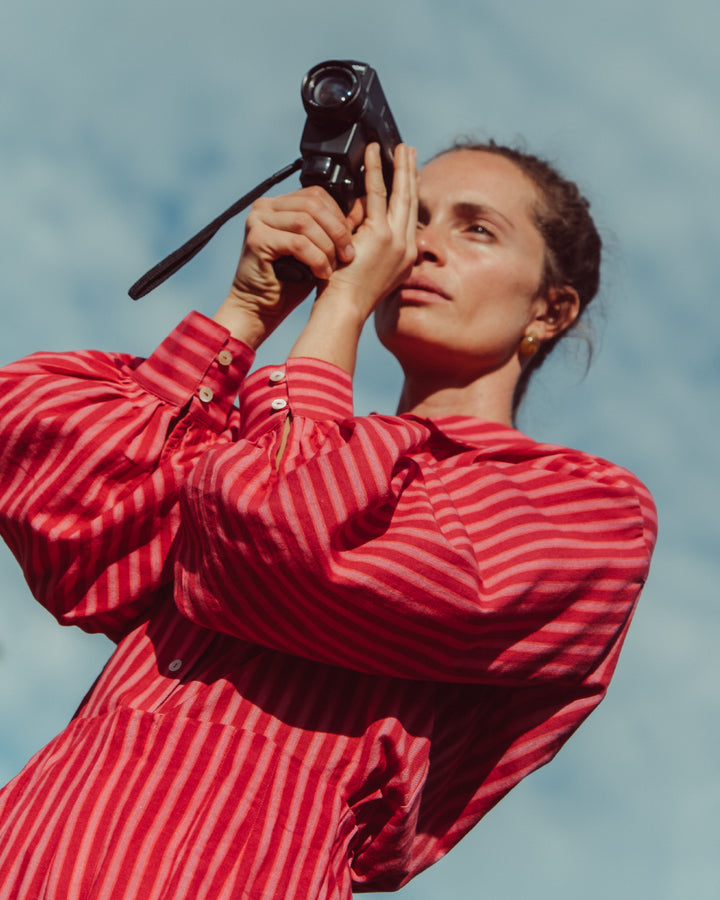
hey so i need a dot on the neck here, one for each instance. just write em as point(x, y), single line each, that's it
point(488, 397)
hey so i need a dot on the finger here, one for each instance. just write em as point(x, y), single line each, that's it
point(403, 178)
point(311, 215)
point(269, 244)
point(375, 189)
point(330, 217)
point(357, 214)
point(295, 223)
point(411, 230)
point(314, 198)
point(402, 210)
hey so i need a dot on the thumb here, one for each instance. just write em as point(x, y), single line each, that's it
point(356, 216)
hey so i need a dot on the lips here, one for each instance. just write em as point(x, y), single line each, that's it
point(420, 287)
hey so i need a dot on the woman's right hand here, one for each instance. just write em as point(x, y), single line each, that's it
point(307, 225)
point(386, 240)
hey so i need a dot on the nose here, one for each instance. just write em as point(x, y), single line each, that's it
point(429, 246)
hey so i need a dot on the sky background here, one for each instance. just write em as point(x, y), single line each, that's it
point(124, 128)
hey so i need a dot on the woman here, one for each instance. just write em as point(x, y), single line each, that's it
point(340, 640)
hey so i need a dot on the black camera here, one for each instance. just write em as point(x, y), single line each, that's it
point(346, 110)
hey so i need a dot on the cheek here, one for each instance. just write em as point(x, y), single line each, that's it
point(500, 305)
point(509, 285)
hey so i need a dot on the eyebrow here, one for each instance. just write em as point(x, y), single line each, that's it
point(467, 211)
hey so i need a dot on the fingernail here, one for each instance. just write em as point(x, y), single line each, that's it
point(348, 252)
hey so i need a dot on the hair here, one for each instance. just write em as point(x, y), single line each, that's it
point(572, 243)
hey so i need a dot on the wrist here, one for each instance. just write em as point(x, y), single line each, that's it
point(244, 323)
point(332, 333)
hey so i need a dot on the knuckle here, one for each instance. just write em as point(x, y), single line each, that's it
point(260, 206)
point(303, 248)
point(258, 215)
point(252, 220)
point(255, 231)
point(300, 221)
point(315, 192)
point(297, 222)
point(316, 198)
point(296, 243)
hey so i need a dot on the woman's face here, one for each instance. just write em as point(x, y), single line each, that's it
point(473, 291)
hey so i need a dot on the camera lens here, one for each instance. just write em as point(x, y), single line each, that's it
point(334, 89)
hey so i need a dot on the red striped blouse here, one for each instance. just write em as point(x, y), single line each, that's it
point(328, 667)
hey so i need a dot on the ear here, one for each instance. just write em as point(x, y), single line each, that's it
point(556, 310)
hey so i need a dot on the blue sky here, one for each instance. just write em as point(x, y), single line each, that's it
point(124, 128)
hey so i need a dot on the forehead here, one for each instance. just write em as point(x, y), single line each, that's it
point(479, 177)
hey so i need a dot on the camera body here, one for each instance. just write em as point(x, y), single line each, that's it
point(346, 110)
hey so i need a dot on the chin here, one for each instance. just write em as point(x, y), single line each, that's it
point(417, 352)
point(404, 322)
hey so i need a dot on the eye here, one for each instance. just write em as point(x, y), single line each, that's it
point(479, 230)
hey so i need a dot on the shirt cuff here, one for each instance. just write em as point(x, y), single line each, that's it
point(199, 362)
point(306, 387)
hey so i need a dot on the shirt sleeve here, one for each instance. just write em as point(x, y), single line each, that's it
point(93, 448)
point(354, 550)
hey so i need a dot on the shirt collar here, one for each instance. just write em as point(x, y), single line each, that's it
point(471, 432)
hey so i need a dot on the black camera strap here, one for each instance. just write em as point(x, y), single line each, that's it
point(177, 259)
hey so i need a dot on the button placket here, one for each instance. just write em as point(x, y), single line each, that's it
point(277, 384)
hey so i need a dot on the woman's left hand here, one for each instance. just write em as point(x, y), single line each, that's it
point(385, 241)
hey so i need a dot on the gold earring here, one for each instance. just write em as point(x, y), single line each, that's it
point(529, 345)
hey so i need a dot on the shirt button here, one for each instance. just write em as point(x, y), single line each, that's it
point(225, 357)
point(205, 394)
point(277, 376)
point(175, 665)
point(279, 403)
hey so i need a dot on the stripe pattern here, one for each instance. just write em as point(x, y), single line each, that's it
point(328, 668)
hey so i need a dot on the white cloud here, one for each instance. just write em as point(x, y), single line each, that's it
point(124, 129)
